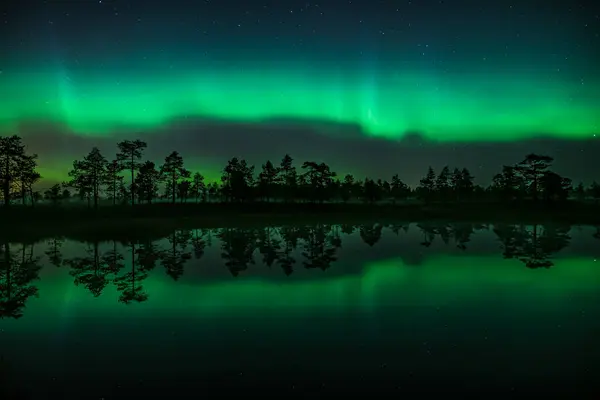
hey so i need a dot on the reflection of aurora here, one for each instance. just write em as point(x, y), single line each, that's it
point(449, 311)
point(440, 282)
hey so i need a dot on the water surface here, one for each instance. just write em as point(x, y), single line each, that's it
point(509, 307)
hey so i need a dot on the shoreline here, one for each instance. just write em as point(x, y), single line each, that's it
point(46, 221)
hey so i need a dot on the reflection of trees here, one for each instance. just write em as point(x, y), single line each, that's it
point(460, 233)
point(370, 234)
point(174, 258)
point(429, 230)
point(396, 228)
point(289, 237)
point(533, 246)
point(237, 245)
point(17, 272)
point(54, 251)
point(94, 271)
point(347, 229)
point(597, 233)
point(268, 245)
point(320, 247)
point(336, 238)
point(147, 254)
point(129, 284)
point(199, 243)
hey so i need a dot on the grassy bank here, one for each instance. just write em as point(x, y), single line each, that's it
point(43, 221)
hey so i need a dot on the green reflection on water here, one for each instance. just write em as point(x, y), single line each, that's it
point(442, 281)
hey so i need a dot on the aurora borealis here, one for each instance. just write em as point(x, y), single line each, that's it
point(436, 83)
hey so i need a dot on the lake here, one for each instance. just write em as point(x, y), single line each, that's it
point(432, 307)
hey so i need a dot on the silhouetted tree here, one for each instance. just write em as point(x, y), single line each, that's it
point(508, 185)
point(371, 191)
point(399, 190)
point(172, 171)
point(148, 181)
point(84, 191)
point(89, 174)
point(443, 184)
point(347, 188)
point(130, 152)
point(555, 187)
point(17, 274)
point(238, 179)
point(36, 197)
point(28, 177)
point(54, 194)
point(384, 189)
point(579, 192)
point(124, 193)
point(320, 178)
point(213, 190)
point(198, 188)
point(532, 169)
point(335, 189)
point(13, 158)
point(426, 188)
point(462, 184)
point(113, 179)
point(594, 191)
point(267, 180)
point(183, 190)
point(303, 189)
point(289, 178)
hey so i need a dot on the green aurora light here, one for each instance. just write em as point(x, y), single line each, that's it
point(441, 106)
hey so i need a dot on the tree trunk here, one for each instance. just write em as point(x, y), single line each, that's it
point(132, 182)
point(96, 195)
point(6, 183)
point(173, 184)
point(535, 184)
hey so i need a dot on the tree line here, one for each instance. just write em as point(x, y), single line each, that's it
point(95, 178)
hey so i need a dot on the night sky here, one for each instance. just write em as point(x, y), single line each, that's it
point(371, 87)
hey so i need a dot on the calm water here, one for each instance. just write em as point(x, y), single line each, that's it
point(457, 305)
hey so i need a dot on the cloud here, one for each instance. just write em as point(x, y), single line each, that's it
point(210, 143)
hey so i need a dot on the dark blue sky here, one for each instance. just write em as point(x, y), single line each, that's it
point(477, 42)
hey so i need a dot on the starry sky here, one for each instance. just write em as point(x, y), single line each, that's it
point(371, 87)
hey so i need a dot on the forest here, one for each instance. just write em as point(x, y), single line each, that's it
point(129, 179)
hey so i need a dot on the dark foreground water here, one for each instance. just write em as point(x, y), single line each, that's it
point(417, 308)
